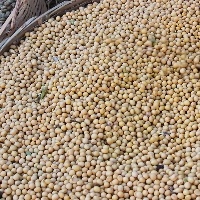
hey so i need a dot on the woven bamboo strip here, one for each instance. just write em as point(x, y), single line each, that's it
point(60, 9)
point(23, 10)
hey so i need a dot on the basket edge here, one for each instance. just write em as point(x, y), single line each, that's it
point(28, 26)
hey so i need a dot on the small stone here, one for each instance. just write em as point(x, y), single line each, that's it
point(1, 194)
point(158, 167)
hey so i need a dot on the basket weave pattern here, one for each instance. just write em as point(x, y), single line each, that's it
point(23, 10)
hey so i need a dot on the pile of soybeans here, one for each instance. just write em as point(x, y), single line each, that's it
point(103, 103)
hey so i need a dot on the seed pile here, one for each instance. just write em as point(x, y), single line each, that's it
point(103, 103)
point(6, 7)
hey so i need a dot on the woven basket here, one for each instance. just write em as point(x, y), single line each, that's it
point(60, 9)
point(23, 11)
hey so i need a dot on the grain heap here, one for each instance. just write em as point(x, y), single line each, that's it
point(6, 7)
point(103, 103)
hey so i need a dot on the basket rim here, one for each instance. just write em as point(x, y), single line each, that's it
point(33, 22)
point(21, 13)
